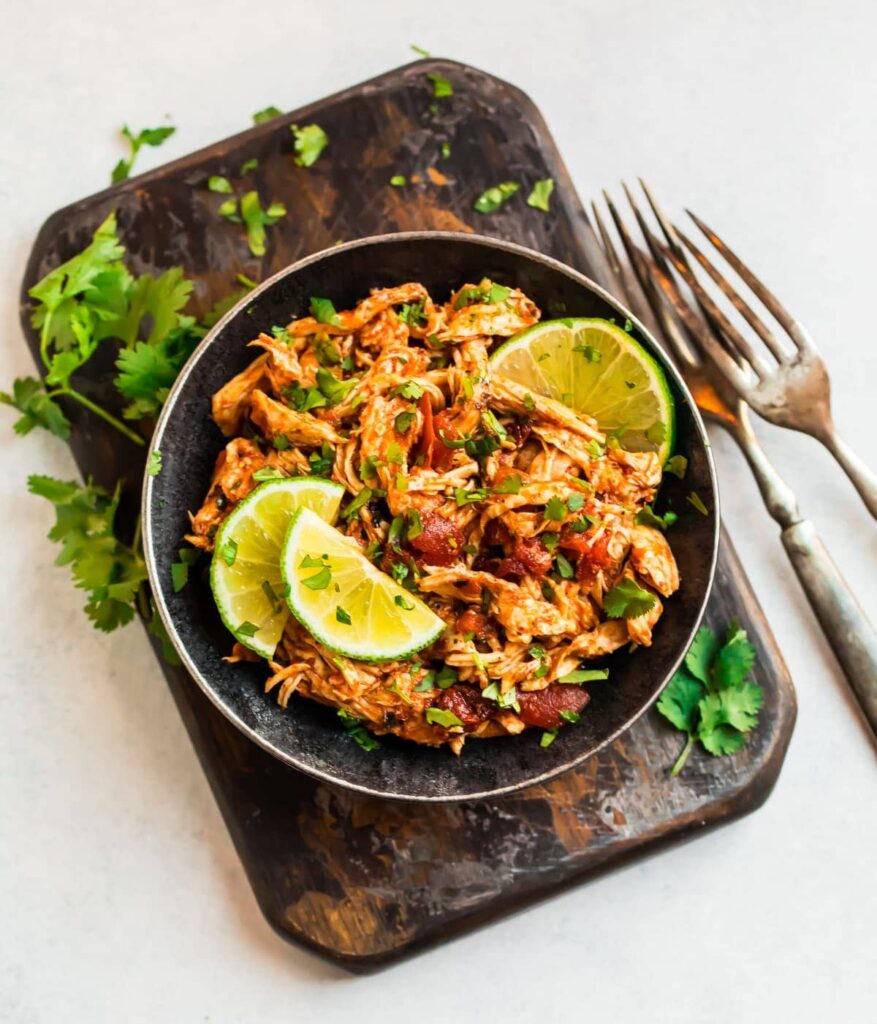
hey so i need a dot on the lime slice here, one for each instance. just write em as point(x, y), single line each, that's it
point(344, 601)
point(245, 572)
point(595, 367)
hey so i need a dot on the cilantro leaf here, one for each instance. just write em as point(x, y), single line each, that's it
point(147, 137)
point(310, 142)
point(492, 198)
point(648, 517)
point(541, 194)
point(356, 731)
point(715, 731)
point(109, 571)
point(446, 719)
point(677, 465)
point(709, 699)
point(37, 408)
point(441, 87)
point(147, 372)
point(256, 219)
point(265, 115)
point(398, 180)
point(627, 600)
point(700, 655)
point(217, 183)
point(680, 699)
point(153, 463)
point(323, 311)
point(735, 659)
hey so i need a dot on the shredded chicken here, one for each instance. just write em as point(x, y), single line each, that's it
point(509, 513)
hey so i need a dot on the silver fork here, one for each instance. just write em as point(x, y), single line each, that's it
point(794, 391)
point(649, 289)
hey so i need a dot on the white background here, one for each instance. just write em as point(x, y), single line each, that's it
point(122, 897)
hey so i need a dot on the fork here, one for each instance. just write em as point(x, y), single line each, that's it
point(793, 391)
point(649, 289)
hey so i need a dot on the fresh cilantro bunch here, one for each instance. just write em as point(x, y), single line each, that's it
point(89, 300)
point(710, 697)
point(109, 571)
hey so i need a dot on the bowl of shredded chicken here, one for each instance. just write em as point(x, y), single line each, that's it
point(509, 514)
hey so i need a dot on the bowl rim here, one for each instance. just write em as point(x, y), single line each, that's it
point(167, 413)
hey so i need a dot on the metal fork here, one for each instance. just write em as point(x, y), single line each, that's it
point(793, 391)
point(647, 286)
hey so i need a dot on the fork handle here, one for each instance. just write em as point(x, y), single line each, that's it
point(844, 623)
point(862, 478)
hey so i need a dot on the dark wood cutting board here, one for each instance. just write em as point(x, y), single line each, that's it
point(364, 881)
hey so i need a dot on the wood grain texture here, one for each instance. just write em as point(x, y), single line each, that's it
point(365, 881)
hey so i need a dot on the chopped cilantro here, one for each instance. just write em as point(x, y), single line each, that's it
point(247, 629)
point(271, 595)
point(228, 551)
point(395, 455)
point(657, 432)
point(529, 403)
point(229, 210)
point(412, 314)
point(445, 150)
point(463, 497)
point(446, 719)
point(249, 165)
point(556, 509)
point(362, 498)
point(268, 473)
point(547, 738)
point(677, 465)
point(321, 579)
point(148, 137)
point(570, 716)
point(217, 183)
point(415, 524)
point(648, 517)
point(153, 463)
point(398, 180)
point(356, 731)
point(575, 501)
point(321, 462)
point(541, 194)
point(403, 603)
point(696, 501)
point(256, 220)
point(342, 616)
point(410, 390)
point(627, 600)
point(420, 51)
point(441, 87)
point(584, 675)
point(563, 567)
point(403, 422)
point(265, 115)
point(510, 485)
point(310, 142)
point(593, 355)
point(492, 198)
point(326, 351)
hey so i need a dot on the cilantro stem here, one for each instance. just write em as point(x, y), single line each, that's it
point(98, 411)
point(683, 757)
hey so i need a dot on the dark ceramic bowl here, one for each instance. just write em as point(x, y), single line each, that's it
point(307, 735)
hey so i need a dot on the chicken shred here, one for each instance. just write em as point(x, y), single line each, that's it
point(525, 514)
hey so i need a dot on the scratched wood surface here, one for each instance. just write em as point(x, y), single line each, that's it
point(365, 881)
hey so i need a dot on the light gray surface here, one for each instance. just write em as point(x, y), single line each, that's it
point(123, 898)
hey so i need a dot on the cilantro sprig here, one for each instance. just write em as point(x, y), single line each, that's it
point(147, 137)
point(711, 698)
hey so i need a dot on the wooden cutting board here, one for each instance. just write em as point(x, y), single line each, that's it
point(365, 881)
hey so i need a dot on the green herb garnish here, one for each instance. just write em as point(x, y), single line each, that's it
point(310, 142)
point(492, 198)
point(627, 600)
point(710, 697)
point(541, 194)
point(148, 137)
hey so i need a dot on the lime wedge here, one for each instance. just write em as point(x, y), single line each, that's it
point(344, 601)
point(595, 367)
point(245, 572)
